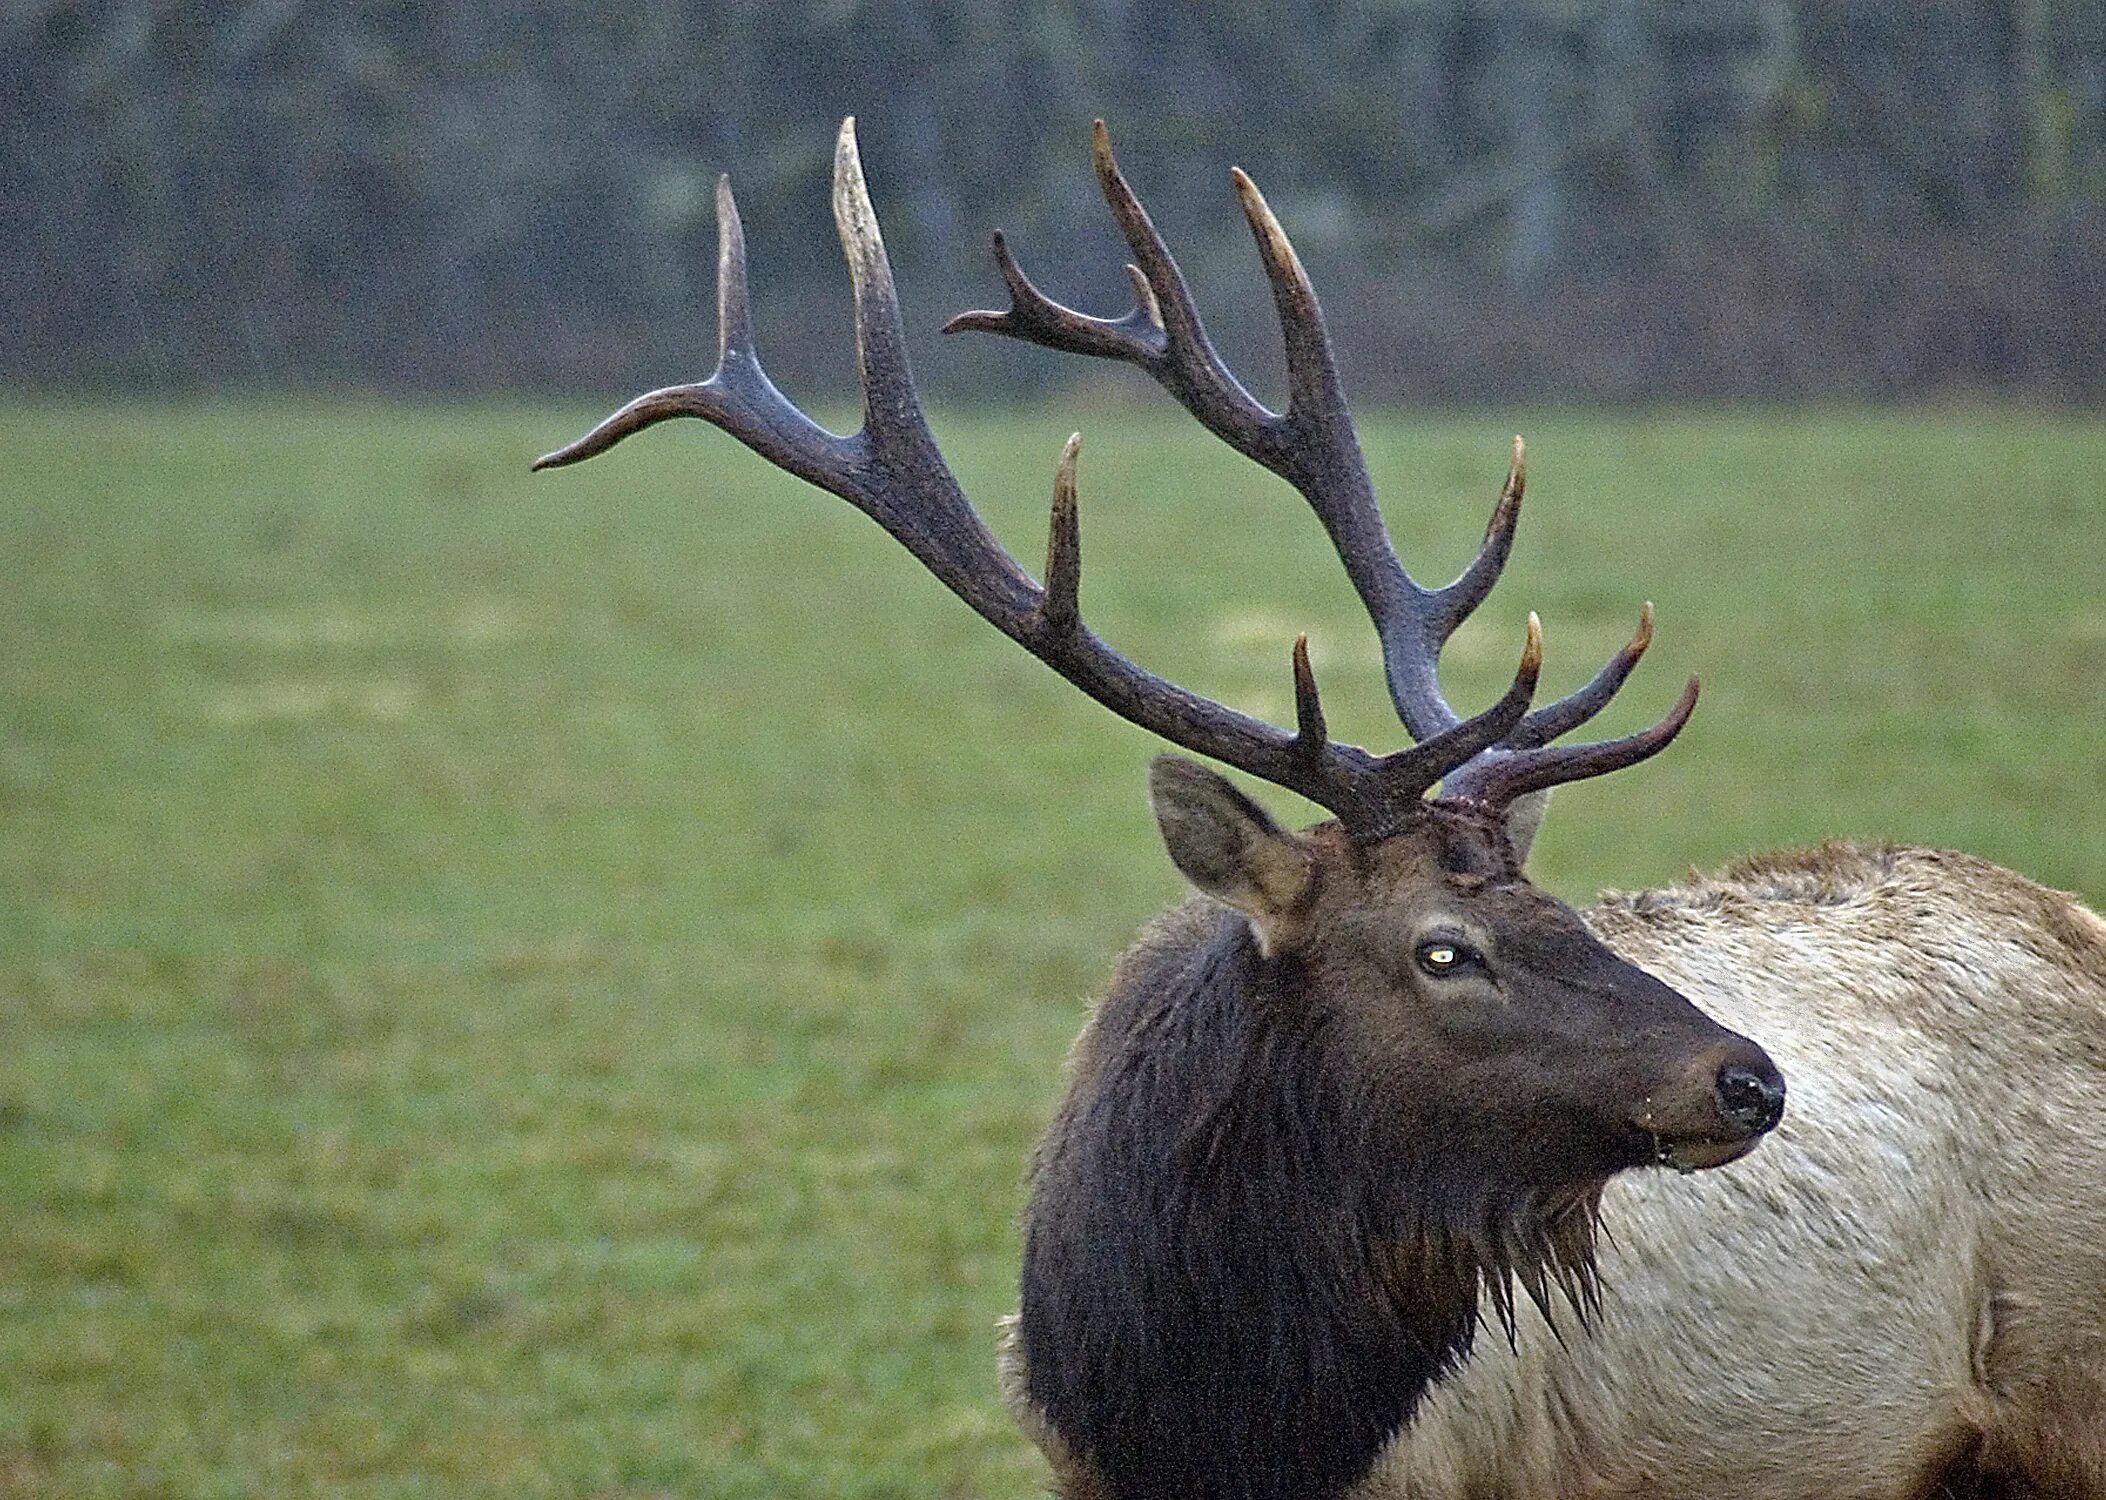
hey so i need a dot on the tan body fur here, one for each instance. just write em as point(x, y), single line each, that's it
point(1903, 1293)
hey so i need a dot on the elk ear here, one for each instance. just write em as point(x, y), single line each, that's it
point(1226, 844)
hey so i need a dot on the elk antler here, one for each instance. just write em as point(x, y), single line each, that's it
point(891, 470)
point(1312, 445)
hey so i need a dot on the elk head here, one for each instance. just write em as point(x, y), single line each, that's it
point(1475, 1008)
point(1408, 918)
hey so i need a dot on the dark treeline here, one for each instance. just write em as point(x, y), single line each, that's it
point(1598, 198)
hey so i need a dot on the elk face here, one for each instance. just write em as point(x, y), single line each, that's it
point(1477, 1009)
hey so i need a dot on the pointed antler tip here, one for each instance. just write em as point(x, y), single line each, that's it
point(1064, 473)
point(1260, 214)
point(1663, 733)
point(1101, 148)
point(727, 212)
point(1059, 606)
point(1282, 264)
point(1668, 729)
point(848, 159)
point(855, 219)
point(1310, 731)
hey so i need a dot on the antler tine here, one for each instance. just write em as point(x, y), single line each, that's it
point(1315, 397)
point(1574, 709)
point(1161, 333)
point(734, 305)
point(738, 396)
point(1144, 303)
point(1319, 451)
point(1190, 368)
point(1061, 608)
point(1136, 338)
point(1498, 779)
point(892, 415)
point(893, 471)
point(1343, 778)
point(1310, 733)
point(1454, 603)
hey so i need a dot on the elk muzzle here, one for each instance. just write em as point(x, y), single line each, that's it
point(1719, 1110)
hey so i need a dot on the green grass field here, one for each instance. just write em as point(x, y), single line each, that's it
point(542, 986)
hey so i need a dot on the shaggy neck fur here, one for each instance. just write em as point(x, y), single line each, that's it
point(1242, 1264)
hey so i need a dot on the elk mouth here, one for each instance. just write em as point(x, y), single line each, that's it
point(1713, 1143)
point(1646, 1144)
point(1697, 1153)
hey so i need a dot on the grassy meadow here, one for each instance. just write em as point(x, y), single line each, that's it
point(543, 986)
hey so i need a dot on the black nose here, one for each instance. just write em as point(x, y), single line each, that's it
point(1752, 1098)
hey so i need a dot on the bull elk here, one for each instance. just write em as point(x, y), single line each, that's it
point(1370, 1081)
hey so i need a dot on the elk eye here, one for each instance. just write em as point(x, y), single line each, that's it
point(1444, 956)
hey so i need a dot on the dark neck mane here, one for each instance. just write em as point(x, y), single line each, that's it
point(1238, 1281)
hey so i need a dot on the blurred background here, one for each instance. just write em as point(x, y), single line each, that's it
point(544, 985)
point(1609, 199)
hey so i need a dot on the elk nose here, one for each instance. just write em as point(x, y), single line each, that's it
point(1752, 1097)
